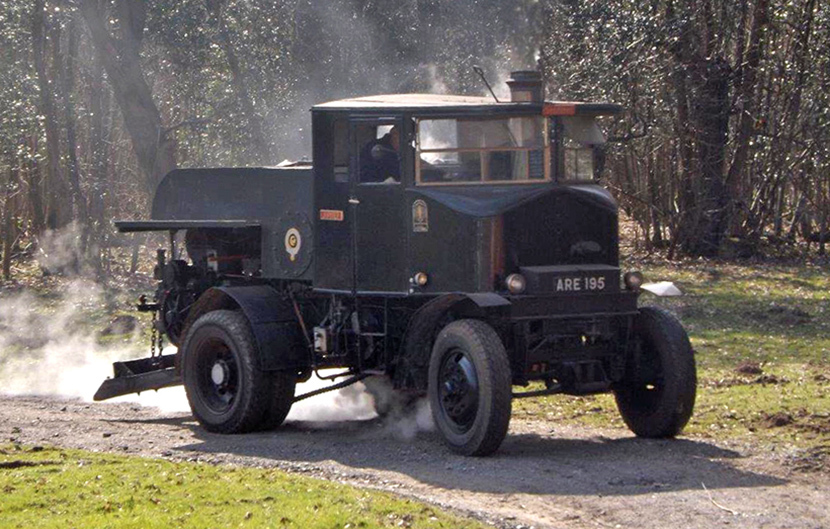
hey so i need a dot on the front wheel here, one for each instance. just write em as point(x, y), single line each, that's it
point(470, 387)
point(657, 395)
point(227, 391)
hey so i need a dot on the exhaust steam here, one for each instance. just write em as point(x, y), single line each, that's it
point(54, 342)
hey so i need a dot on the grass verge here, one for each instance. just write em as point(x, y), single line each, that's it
point(51, 487)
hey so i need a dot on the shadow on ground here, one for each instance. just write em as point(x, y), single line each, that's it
point(531, 463)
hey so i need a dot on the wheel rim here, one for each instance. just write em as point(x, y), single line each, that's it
point(218, 375)
point(458, 390)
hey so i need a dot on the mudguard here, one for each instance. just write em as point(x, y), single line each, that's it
point(411, 371)
point(485, 300)
point(271, 315)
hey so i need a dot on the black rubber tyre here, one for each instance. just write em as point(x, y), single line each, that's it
point(659, 401)
point(470, 387)
point(386, 400)
point(227, 391)
point(284, 385)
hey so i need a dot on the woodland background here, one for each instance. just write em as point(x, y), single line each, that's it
point(724, 150)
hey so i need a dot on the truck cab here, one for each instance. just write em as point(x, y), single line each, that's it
point(466, 166)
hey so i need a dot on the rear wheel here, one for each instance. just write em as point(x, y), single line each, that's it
point(657, 397)
point(284, 385)
point(470, 387)
point(227, 391)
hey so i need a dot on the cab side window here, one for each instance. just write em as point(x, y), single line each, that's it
point(379, 160)
point(581, 147)
point(341, 151)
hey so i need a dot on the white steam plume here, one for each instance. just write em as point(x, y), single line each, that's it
point(49, 335)
point(356, 403)
point(50, 348)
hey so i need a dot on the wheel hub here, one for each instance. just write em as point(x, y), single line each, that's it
point(220, 373)
point(459, 390)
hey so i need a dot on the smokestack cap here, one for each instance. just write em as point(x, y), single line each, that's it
point(526, 87)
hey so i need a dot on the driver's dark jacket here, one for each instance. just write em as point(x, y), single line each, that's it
point(379, 161)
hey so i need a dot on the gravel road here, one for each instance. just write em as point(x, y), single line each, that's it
point(544, 475)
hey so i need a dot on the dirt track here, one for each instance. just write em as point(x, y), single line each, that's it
point(543, 476)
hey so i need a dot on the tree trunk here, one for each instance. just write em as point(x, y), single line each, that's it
point(687, 202)
point(746, 97)
point(652, 182)
point(154, 149)
point(9, 232)
point(800, 220)
point(711, 109)
point(35, 187)
point(262, 151)
point(99, 104)
point(702, 90)
point(68, 90)
point(57, 213)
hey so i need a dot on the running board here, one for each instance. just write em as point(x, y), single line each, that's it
point(136, 376)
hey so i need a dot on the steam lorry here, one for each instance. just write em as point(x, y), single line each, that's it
point(484, 263)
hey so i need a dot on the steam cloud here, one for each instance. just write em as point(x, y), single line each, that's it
point(49, 348)
point(343, 49)
point(46, 349)
point(43, 349)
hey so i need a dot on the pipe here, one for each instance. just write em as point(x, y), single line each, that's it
point(339, 385)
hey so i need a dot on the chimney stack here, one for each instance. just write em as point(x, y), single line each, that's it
point(526, 87)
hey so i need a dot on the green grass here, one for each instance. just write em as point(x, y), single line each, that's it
point(50, 487)
point(771, 317)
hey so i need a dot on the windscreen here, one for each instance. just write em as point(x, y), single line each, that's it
point(468, 151)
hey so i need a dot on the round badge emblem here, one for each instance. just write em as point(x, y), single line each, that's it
point(293, 241)
point(290, 239)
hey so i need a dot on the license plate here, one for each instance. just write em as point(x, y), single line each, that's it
point(571, 279)
point(580, 284)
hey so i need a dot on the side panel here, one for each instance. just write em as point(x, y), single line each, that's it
point(442, 245)
point(277, 199)
point(378, 222)
point(332, 216)
point(381, 243)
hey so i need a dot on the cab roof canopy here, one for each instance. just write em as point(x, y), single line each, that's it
point(452, 104)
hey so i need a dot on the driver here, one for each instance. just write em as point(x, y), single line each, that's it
point(380, 160)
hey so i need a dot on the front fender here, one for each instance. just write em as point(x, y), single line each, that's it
point(428, 320)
